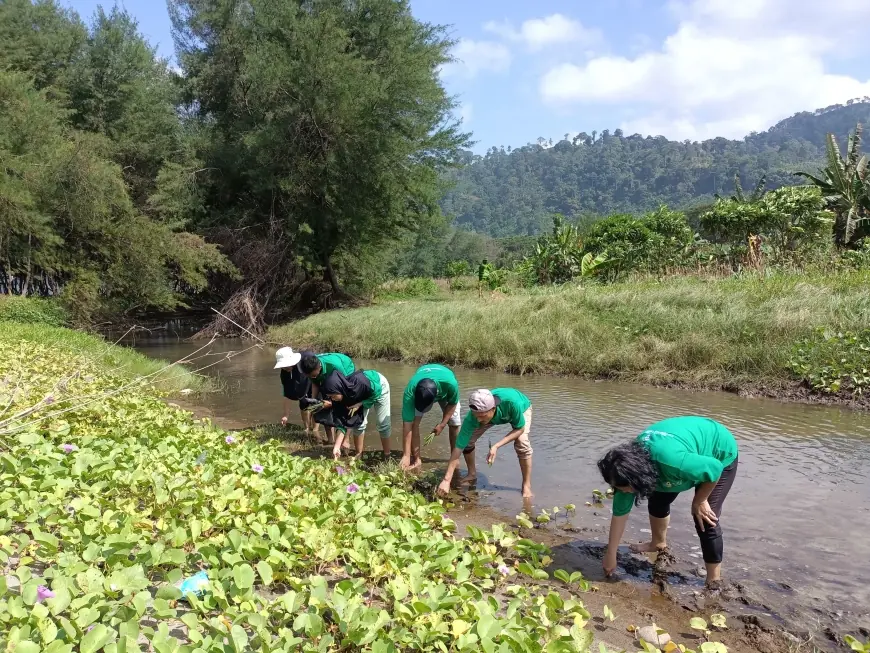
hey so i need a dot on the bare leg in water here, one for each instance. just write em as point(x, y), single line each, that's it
point(659, 541)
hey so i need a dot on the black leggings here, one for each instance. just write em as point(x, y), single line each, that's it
point(710, 536)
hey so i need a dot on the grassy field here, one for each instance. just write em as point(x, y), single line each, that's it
point(733, 332)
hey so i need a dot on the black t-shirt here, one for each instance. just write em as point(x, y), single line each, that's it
point(296, 384)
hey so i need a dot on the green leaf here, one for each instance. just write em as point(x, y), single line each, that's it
point(713, 647)
point(265, 571)
point(239, 637)
point(26, 647)
point(718, 620)
point(243, 575)
point(562, 575)
point(697, 623)
point(95, 639)
point(608, 613)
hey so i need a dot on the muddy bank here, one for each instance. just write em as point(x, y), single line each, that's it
point(665, 592)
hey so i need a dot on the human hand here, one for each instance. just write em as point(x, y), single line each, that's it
point(437, 430)
point(336, 451)
point(443, 488)
point(284, 421)
point(703, 513)
point(405, 462)
point(490, 459)
point(609, 562)
point(326, 404)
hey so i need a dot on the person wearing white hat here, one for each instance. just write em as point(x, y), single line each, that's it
point(296, 385)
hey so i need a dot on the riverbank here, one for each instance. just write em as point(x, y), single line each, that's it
point(753, 335)
point(111, 497)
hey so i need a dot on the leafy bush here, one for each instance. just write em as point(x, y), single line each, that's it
point(32, 310)
point(99, 526)
point(834, 363)
point(652, 242)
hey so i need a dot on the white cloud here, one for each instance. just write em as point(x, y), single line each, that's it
point(537, 33)
point(473, 57)
point(732, 66)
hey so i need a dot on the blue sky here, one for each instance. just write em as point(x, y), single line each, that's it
point(685, 69)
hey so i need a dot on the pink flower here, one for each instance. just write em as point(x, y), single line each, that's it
point(43, 593)
point(69, 448)
point(353, 488)
point(230, 439)
point(503, 569)
point(341, 471)
point(257, 468)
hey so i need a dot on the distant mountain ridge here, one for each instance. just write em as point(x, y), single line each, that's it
point(512, 192)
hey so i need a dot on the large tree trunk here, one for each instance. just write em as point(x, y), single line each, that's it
point(329, 274)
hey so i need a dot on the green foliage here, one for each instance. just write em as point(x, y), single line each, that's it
point(507, 193)
point(790, 220)
point(457, 269)
point(557, 258)
point(650, 243)
point(109, 524)
point(329, 118)
point(856, 644)
point(845, 184)
point(32, 310)
point(834, 362)
point(80, 148)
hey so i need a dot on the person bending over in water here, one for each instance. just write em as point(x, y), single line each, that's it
point(363, 390)
point(317, 368)
point(296, 386)
point(431, 383)
point(670, 457)
point(488, 409)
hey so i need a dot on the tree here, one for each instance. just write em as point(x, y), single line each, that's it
point(845, 185)
point(324, 117)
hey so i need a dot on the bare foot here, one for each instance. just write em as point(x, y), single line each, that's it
point(527, 493)
point(468, 479)
point(646, 547)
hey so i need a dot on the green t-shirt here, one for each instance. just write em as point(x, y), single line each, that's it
point(509, 409)
point(377, 390)
point(687, 451)
point(446, 388)
point(331, 362)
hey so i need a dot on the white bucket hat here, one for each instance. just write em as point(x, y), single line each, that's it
point(286, 357)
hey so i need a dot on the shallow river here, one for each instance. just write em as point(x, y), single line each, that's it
point(797, 521)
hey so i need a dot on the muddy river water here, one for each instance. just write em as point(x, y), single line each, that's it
point(796, 524)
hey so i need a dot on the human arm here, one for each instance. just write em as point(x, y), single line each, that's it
point(444, 487)
point(617, 529)
point(701, 510)
point(410, 434)
point(510, 437)
point(286, 416)
point(449, 409)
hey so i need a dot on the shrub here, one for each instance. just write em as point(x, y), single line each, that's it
point(31, 310)
point(406, 288)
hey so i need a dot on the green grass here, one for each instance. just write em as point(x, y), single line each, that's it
point(121, 361)
point(711, 333)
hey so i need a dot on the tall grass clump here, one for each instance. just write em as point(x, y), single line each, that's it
point(705, 332)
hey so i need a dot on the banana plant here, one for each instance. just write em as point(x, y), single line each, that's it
point(845, 184)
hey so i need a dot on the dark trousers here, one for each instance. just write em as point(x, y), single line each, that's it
point(710, 536)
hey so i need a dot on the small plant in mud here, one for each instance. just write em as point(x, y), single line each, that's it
point(857, 645)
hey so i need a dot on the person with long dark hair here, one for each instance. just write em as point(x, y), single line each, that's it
point(362, 392)
point(670, 457)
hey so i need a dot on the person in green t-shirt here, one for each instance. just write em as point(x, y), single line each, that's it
point(670, 457)
point(490, 408)
point(317, 367)
point(431, 383)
